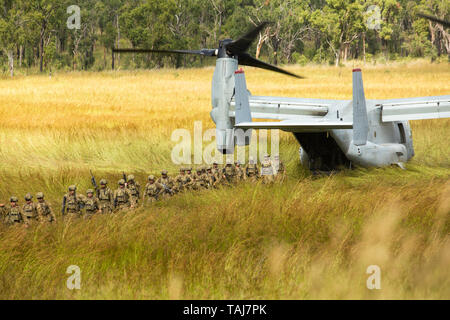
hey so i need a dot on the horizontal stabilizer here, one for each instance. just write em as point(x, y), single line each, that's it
point(415, 108)
point(297, 126)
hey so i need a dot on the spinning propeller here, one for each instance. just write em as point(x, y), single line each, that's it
point(228, 48)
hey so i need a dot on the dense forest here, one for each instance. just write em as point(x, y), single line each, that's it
point(45, 35)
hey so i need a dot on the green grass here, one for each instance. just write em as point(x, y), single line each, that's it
point(310, 237)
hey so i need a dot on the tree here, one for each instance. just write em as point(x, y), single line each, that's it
point(340, 23)
point(11, 29)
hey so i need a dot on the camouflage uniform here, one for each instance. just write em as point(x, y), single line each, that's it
point(216, 169)
point(267, 170)
point(189, 184)
point(122, 197)
point(251, 170)
point(2, 212)
point(239, 172)
point(167, 183)
point(91, 204)
point(44, 209)
point(279, 169)
point(229, 173)
point(207, 180)
point(199, 180)
point(72, 203)
point(217, 173)
point(135, 190)
point(105, 197)
point(214, 179)
point(180, 180)
point(14, 214)
point(152, 190)
point(29, 210)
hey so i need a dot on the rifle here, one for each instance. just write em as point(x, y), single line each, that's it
point(124, 177)
point(63, 205)
point(167, 189)
point(94, 183)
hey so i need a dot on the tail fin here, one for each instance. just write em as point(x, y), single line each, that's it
point(242, 112)
point(242, 109)
point(360, 121)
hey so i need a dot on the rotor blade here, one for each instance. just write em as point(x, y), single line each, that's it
point(242, 44)
point(246, 60)
point(202, 52)
point(434, 19)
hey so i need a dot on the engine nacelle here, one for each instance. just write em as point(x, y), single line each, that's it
point(221, 94)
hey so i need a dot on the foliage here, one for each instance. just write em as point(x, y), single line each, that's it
point(329, 30)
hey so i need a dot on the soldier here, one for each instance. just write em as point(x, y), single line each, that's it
point(135, 190)
point(228, 172)
point(251, 170)
point(214, 179)
point(207, 180)
point(14, 213)
point(189, 179)
point(2, 212)
point(279, 168)
point(91, 204)
point(122, 197)
point(152, 190)
point(239, 172)
point(180, 180)
point(72, 203)
point(199, 180)
point(267, 170)
point(215, 169)
point(30, 213)
point(44, 209)
point(105, 197)
point(167, 183)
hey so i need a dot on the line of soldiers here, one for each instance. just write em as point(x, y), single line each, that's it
point(29, 213)
point(128, 194)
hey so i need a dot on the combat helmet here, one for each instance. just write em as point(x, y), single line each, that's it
point(131, 177)
point(28, 197)
point(72, 188)
point(40, 195)
point(13, 199)
point(103, 182)
point(164, 172)
point(89, 191)
point(121, 182)
point(151, 177)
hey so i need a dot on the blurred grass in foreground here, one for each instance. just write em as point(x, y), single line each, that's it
point(312, 237)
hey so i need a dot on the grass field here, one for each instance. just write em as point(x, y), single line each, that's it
point(311, 237)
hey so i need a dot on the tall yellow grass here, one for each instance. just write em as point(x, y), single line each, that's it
point(311, 237)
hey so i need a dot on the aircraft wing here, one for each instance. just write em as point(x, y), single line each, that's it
point(297, 125)
point(415, 108)
point(282, 108)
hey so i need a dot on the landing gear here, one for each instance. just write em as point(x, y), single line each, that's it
point(320, 152)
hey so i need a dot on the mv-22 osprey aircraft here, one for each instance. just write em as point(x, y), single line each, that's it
point(331, 133)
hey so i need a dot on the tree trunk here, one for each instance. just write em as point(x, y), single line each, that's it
point(118, 38)
point(20, 55)
point(364, 47)
point(338, 56)
point(41, 47)
point(10, 54)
